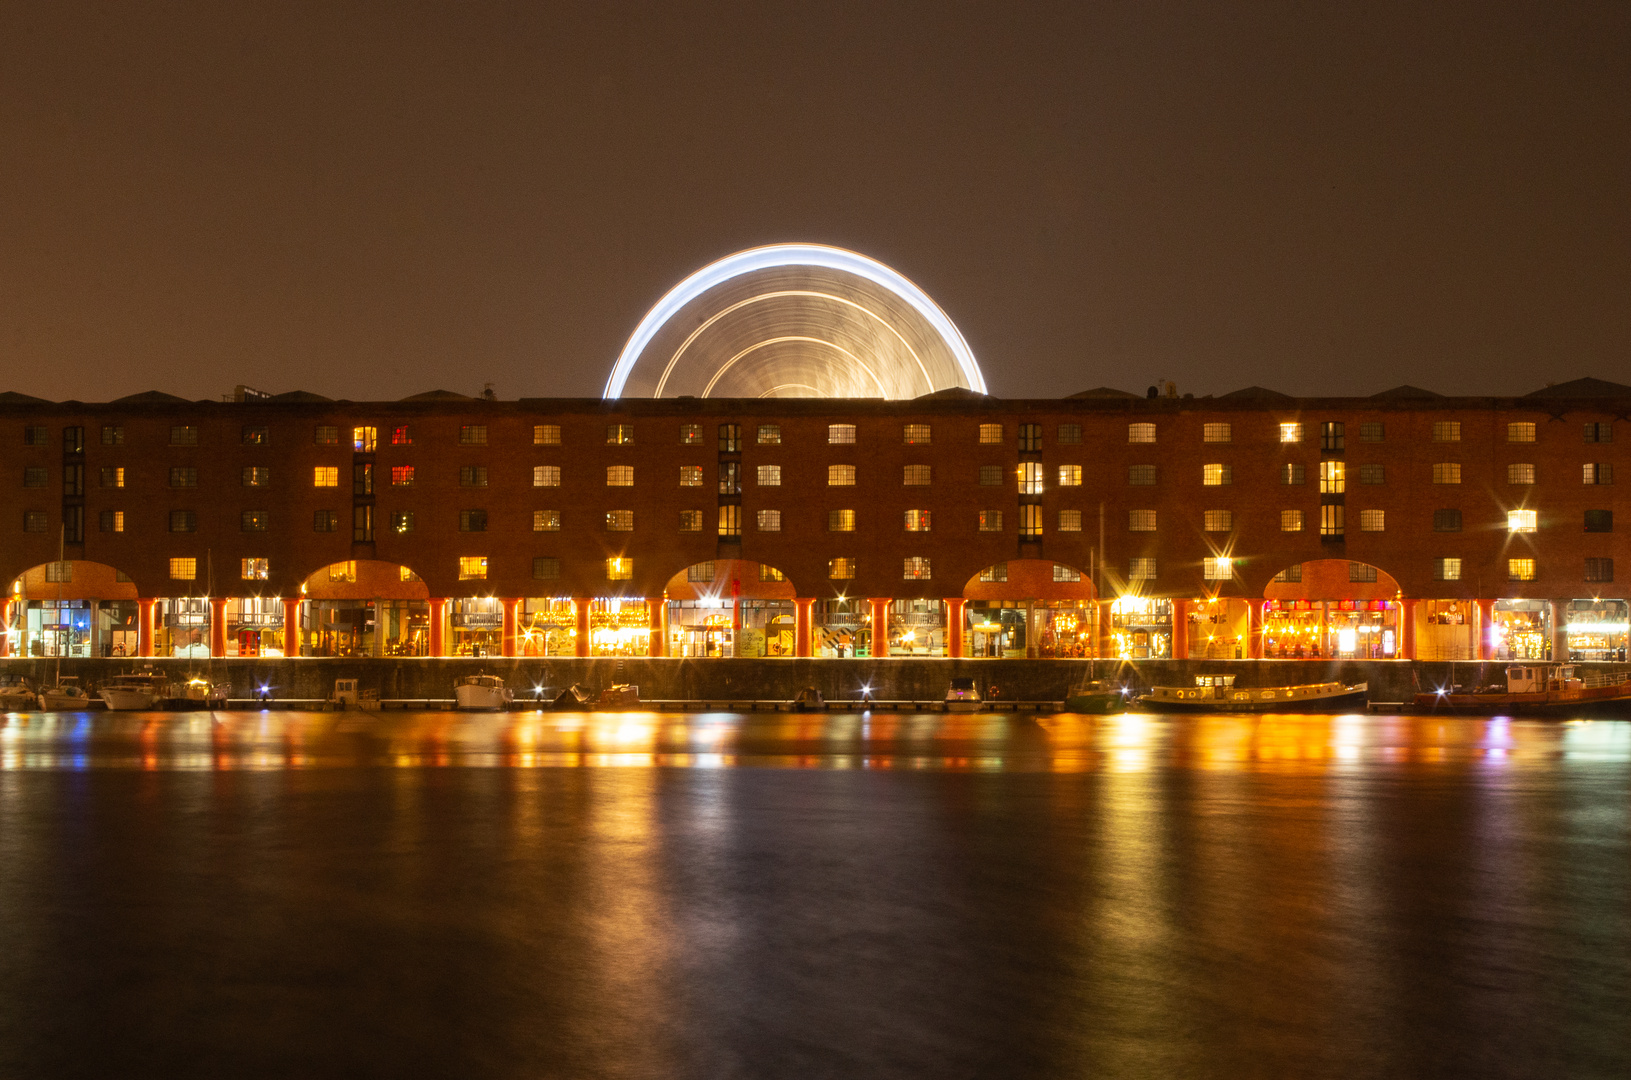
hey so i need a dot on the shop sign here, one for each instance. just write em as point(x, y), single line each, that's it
point(479, 620)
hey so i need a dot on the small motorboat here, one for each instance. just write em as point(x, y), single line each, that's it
point(1098, 696)
point(66, 696)
point(619, 696)
point(482, 691)
point(16, 695)
point(964, 696)
point(1537, 688)
point(1218, 693)
point(809, 700)
point(200, 692)
point(136, 692)
point(575, 698)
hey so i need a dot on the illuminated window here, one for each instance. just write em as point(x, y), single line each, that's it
point(1061, 572)
point(401, 475)
point(472, 567)
point(691, 434)
point(472, 476)
point(1218, 569)
point(184, 435)
point(255, 569)
point(183, 569)
point(991, 521)
point(1140, 433)
point(995, 572)
point(1599, 569)
point(1599, 432)
point(403, 573)
point(1290, 574)
point(34, 521)
point(1520, 432)
point(546, 435)
point(770, 573)
point(840, 475)
point(916, 569)
point(364, 439)
point(1070, 476)
point(1601, 473)
point(1218, 520)
point(1217, 475)
point(183, 477)
point(1520, 521)
point(326, 435)
point(183, 521)
point(1370, 431)
point(1446, 521)
point(1599, 521)
point(840, 569)
point(770, 476)
point(1333, 478)
point(1332, 435)
point(1030, 478)
point(1520, 474)
point(1291, 474)
point(1520, 569)
point(730, 438)
point(991, 434)
point(400, 436)
point(1070, 521)
point(472, 521)
point(730, 521)
point(1217, 433)
point(917, 521)
point(702, 571)
point(691, 521)
point(1372, 520)
point(620, 476)
point(990, 475)
point(1291, 521)
point(325, 521)
point(840, 520)
point(1446, 431)
point(1446, 569)
point(546, 568)
point(915, 475)
point(1030, 520)
point(1447, 472)
point(325, 476)
point(915, 433)
point(1141, 521)
point(473, 434)
point(255, 435)
point(1363, 573)
point(255, 521)
point(1030, 438)
point(620, 521)
point(619, 434)
point(1140, 569)
point(1332, 521)
point(769, 520)
point(1372, 474)
point(1291, 433)
point(770, 435)
point(546, 476)
point(402, 521)
point(253, 476)
point(112, 520)
point(113, 435)
point(1069, 435)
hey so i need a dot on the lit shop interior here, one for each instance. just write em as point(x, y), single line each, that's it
point(71, 608)
point(730, 607)
point(1030, 607)
point(1332, 609)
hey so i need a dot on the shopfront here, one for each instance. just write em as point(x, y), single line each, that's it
point(1597, 629)
point(619, 627)
point(72, 608)
point(1219, 628)
point(548, 626)
point(1030, 608)
point(768, 628)
point(1141, 628)
point(841, 628)
point(1066, 629)
point(182, 626)
point(1362, 629)
point(733, 607)
point(996, 628)
point(701, 628)
point(254, 626)
point(1521, 630)
point(476, 625)
point(917, 628)
point(1447, 630)
point(354, 608)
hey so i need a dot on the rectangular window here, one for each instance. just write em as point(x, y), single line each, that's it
point(1141, 521)
point(1070, 521)
point(402, 476)
point(1331, 521)
point(770, 476)
point(770, 435)
point(473, 434)
point(548, 434)
point(1520, 474)
point(254, 569)
point(1370, 431)
point(73, 480)
point(546, 521)
point(1291, 521)
point(1599, 521)
point(995, 572)
point(183, 569)
point(991, 521)
point(620, 521)
point(1220, 569)
point(1520, 432)
point(112, 520)
point(326, 435)
point(702, 571)
point(472, 476)
point(990, 475)
point(1520, 569)
point(916, 569)
point(1520, 521)
point(840, 520)
point(364, 440)
point(34, 521)
point(1216, 475)
point(1333, 435)
point(840, 434)
point(362, 524)
point(325, 521)
point(1600, 570)
point(472, 567)
point(402, 521)
point(990, 434)
point(917, 521)
point(1141, 569)
point(1140, 433)
point(1292, 474)
point(59, 572)
point(690, 434)
point(619, 569)
point(691, 521)
point(113, 435)
point(1218, 520)
point(1030, 438)
point(546, 476)
point(1030, 478)
point(183, 477)
point(840, 475)
point(401, 436)
point(1217, 433)
point(546, 568)
point(1333, 478)
point(1601, 473)
point(1030, 520)
point(183, 435)
point(619, 434)
point(730, 521)
point(1446, 521)
point(915, 434)
point(620, 476)
point(1372, 521)
point(36, 476)
point(1372, 474)
point(1362, 573)
point(255, 521)
point(343, 571)
point(255, 436)
point(325, 476)
point(1291, 433)
point(73, 524)
point(1070, 476)
point(840, 569)
point(730, 478)
point(472, 521)
point(690, 476)
point(915, 475)
point(183, 521)
point(730, 438)
point(769, 520)
point(253, 476)
point(362, 478)
point(1446, 431)
point(1069, 435)
point(1599, 432)
point(1447, 472)
point(36, 436)
point(1446, 569)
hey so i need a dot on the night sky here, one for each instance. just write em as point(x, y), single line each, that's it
point(369, 201)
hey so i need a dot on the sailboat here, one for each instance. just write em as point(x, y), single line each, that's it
point(64, 694)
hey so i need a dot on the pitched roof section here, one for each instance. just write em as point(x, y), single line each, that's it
point(12, 397)
point(439, 395)
point(150, 397)
point(1583, 388)
point(1104, 392)
point(298, 395)
point(952, 393)
point(1405, 391)
point(1253, 392)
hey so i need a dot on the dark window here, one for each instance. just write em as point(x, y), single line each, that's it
point(1292, 474)
point(1361, 572)
point(362, 524)
point(183, 476)
point(473, 434)
point(34, 521)
point(256, 436)
point(326, 435)
point(1370, 431)
point(1603, 432)
point(256, 476)
point(1372, 474)
point(183, 521)
point(1599, 521)
point(1030, 438)
point(472, 521)
point(183, 435)
point(325, 521)
point(255, 520)
point(545, 568)
point(730, 478)
point(36, 436)
point(73, 480)
point(113, 435)
point(1332, 435)
point(1141, 475)
point(473, 476)
point(112, 520)
point(991, 475)
point(1070, 434)
point(1446, 521)
point(73, 524)
point(73, 440)
point(362, 478)
point(1599, 569)
point(730, 438)
point(35, 476)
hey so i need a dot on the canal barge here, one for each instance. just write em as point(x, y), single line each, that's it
point(1537, 689)
point(1218, 693)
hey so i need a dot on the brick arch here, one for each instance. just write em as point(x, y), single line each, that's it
point(744, 571)
point(91, 581)
point(1327, 579)
point(375, 579)
point(1030, 579)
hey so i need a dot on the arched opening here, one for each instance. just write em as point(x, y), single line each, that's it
point(1332, 609)
point(72, 608)
point(1031, 607)
point(364, 607)
point(730, 607)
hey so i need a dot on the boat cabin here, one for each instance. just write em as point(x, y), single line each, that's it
point(1539, 678)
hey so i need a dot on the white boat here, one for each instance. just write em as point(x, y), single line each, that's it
point(200, 691)
point(136, 693)
point(482, 692)
point(66, 696)
point(16, 696)
point(963, 696)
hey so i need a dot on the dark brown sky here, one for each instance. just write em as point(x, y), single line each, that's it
point(373, 200)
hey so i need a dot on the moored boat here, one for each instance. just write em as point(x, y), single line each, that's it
point(1545, 689)
point(136, 692)
point(1098, 696)
point(809, 700)
point(574, 698)
point(66, 696)
point(1218, 693)
point(620, 696)
point(482, 691)
point(963, 695)
point(16, 694)
point(199, 691)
